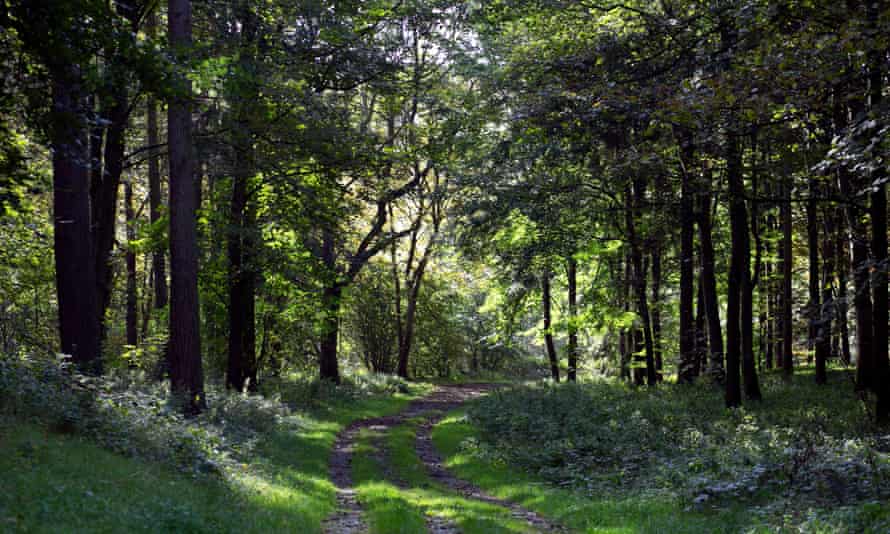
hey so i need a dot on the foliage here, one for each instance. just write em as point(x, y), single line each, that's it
point(811, 448)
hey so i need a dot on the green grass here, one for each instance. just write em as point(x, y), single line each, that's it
point(576, 510)
point(390, 508)
point(55, 483)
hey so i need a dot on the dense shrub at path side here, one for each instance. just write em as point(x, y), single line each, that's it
point(804, 444)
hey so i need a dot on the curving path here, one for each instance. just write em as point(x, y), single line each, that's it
point(348, 517)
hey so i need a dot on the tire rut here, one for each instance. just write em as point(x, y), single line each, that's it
point(348, 517)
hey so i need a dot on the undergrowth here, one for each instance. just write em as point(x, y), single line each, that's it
point(806, 455)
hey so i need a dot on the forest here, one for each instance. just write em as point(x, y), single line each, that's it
point(406, 266)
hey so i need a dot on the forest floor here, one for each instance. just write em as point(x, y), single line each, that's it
point(379, 455)
point(397, 485)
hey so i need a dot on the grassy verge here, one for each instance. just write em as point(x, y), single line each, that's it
point(56, 482)
point(576, 510)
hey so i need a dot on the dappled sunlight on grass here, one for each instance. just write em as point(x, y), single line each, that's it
point(54, 483)
point(391, 508)
point(575, 509)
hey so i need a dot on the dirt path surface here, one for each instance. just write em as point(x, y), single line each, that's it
point(348, 518)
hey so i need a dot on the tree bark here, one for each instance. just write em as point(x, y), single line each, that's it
point(158, 262)
point(186, 371)
point(572, 349)
point(79, 319)
point(787, 333)
point(823, 333)
point(709, 286)
point(814, 307)
point(739, 234)
point(132, 304)
point(639, 191)
point(656, 312)
point(242, 364)
point(548, 334)
point(329, 367)
point(687, 267)
point(878, 216)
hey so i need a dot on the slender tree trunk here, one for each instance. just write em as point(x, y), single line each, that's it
point(736, 287)
point(878, 216)
point(548, 334)
point(787, 334)
point(771, 308)
point(105, 201)
point(572, 276)
point(701, 333)
point(814, 307)
point(823, 334)
point(687, 266)
point(79, 319)
point(411, 309)
point(132, 304)
point(328, 364)
point(843, 268)
point(186, 371)
point(639, 191)
point(709, 286)
point(158, 263)
point(656, 312)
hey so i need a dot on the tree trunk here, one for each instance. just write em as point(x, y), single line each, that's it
point(572, 349)
point(548, 334)
point(132, 305)
point(158, 264)
point(329, 368)
point(787, 333)
point(736, 286)
point(687, 266)
point(701, 333)
point(843, 268)
point(79, 319)
point(814, 307)
point(242, 364)
point(105, 201)
point(823, 333)
point(709, 286)
point(640, 285)
point(186, 371)
point(878, 216)
point(656, 311)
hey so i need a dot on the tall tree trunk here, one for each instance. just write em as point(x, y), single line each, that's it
point(639, 191)
point(878, 215)
point(843, 268)
point(769, 287)
point(787, 333)
point(572, 352)
point(656, 312)
point(411, 308)
point(814, 307)
point(132, 304)
point(823, 333)
point(158, 263)
point(709, 286)
point(79, 319)
point(328, 364)
point(242, 365)
point(701, 333)
point(105, 201)
point(736, 286)
point(687, 266)
point(548, 334)
point(186, 370)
